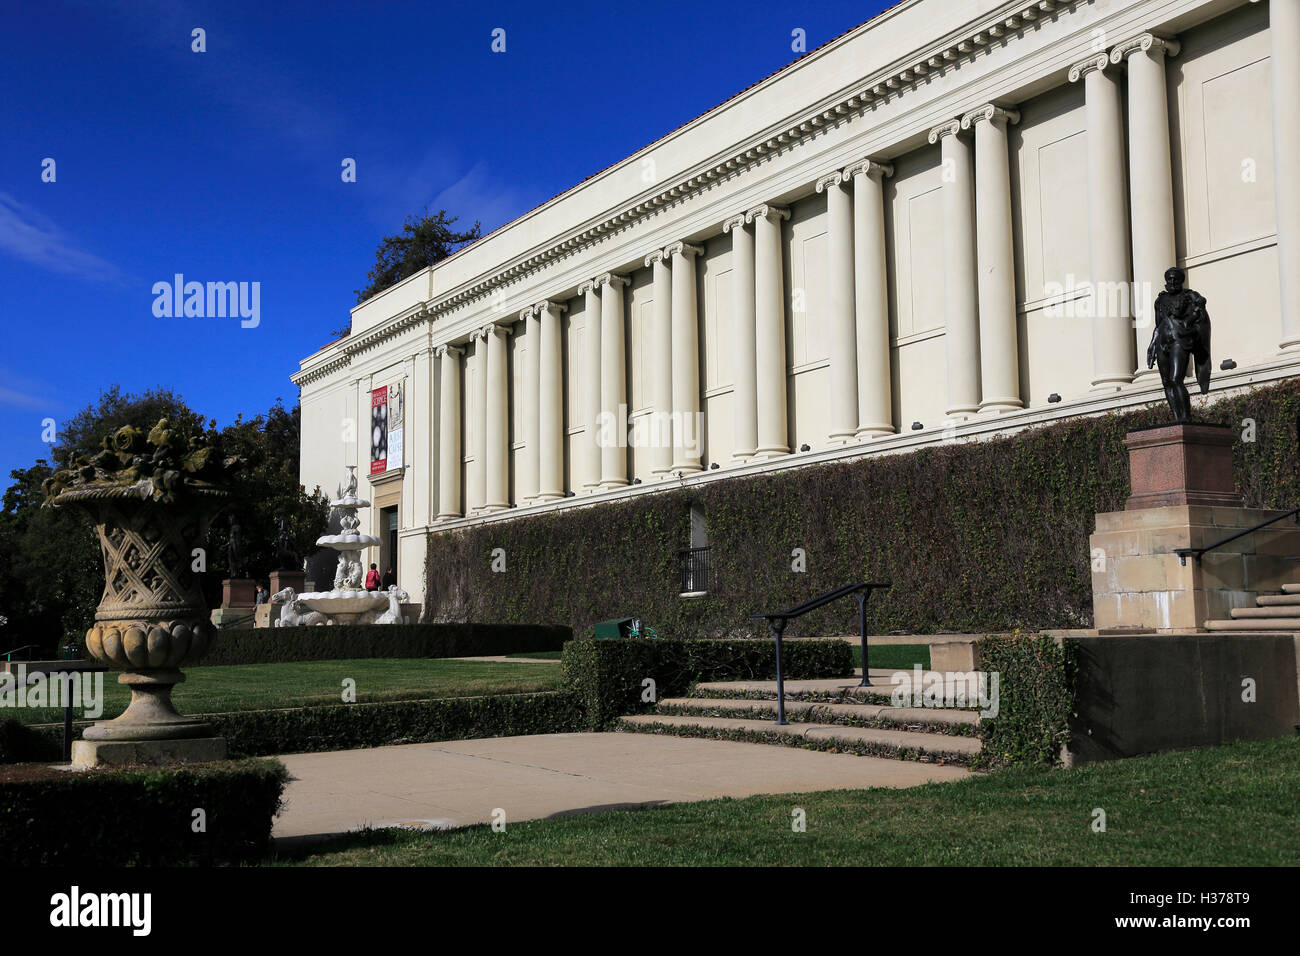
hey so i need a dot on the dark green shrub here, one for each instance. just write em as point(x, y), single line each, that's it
point(1036, 697)
point(20, 743)
point(606, 676)
point(351, 726)
point(977, 537)
point(276, 645)
point(117, 818)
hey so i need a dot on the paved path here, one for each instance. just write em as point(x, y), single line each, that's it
point(459, 783)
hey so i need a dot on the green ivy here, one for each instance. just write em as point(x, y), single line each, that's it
point(978, 537)
point(1036, 692)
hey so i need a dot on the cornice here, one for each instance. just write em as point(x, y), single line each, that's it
point(896, 80)
point(324, 370)
point(1144, 43)
point(1096, 63)
point(990, 113)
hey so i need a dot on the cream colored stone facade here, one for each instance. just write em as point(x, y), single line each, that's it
point(954, 216)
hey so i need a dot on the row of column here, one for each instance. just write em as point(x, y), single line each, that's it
point(1131, 244)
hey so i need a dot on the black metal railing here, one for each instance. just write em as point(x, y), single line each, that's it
point(780, 619)
point(1198, 553)
point(694, 570)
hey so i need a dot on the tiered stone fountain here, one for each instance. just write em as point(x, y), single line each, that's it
point(349, 602)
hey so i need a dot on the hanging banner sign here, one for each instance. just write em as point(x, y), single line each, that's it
point(379, 431)
point(395, 416)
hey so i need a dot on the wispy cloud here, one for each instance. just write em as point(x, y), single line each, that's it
point(29, 235)
point(22, 392)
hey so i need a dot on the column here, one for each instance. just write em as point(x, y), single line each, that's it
point(769, 331)
point(1284, 66)
point(449, 414)
point(527, 478)
point(661, 365)
point(961, 332)
point(871, 299)
point(744, 362)
point(843, 331)
point(688, 435)
point(497, 430)
point(613, 382)
point(1113, 359)
point(999, 351)
point(550, 402)
point(478, 471)
point(1151, 181)
point(590, 399)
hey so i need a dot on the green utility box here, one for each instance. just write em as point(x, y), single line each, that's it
point(618, 627)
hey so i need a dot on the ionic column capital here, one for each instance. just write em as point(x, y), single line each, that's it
point(493, 328)
point(526, 314)
point(612, 279)
point(655, 255)
point(442, 351)
point(735, 222)
point(1145, 43)
point(868, 167)
point(950, 128)
point(768, 212)
point(587, 285)
point(830, 180)
point(548, 306)
point(682, 249)
point(991, 113)
point(1097, 62)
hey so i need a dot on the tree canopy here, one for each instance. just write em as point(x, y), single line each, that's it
point(424, 240)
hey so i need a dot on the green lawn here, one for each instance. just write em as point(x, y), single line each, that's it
point(893, 656)
point(1231, 805)
point(210, 690)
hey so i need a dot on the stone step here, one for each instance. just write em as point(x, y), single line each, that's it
point(1291, 588)
point(1271, 624)
point(827, 713)
point(1267, 612)
point(1274, 600)
point(879, 692)
point(934, 746)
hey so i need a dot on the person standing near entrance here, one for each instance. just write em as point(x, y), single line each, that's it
point(372, 578)
point(390, 579)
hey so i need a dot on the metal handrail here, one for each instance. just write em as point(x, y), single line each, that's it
point(9, 655)
point(778, 620)
point(1198, 553)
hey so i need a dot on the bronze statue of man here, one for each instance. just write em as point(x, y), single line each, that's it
point(1182, 334)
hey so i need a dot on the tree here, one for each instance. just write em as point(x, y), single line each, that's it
point(423, 241)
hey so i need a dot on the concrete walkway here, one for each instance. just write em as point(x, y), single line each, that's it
point(458, 783)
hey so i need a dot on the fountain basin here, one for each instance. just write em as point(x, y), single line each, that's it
point(345, 602)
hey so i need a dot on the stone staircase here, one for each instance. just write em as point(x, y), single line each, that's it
point(1272, 612)
point(832, 715)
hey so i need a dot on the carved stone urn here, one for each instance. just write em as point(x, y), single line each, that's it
point(152, 499)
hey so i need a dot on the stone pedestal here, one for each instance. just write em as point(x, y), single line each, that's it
point(238, 593)
point(1181, 465)
point(288, 579)
point(118, 753)
point(1183, 497)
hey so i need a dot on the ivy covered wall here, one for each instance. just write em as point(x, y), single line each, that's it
point(980, 536)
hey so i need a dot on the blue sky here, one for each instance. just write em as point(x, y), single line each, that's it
point(225, 165)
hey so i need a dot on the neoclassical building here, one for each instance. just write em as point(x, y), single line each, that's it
point(948, 222)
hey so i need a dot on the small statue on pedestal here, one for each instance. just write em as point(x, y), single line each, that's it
point(1182, 334)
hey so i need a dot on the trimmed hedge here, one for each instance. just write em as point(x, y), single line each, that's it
point(22, 744)
point(980, 536)
point(606, 676)
point(277, 645)
point(142, 817)
point(353, 726)
point(1036, 693)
